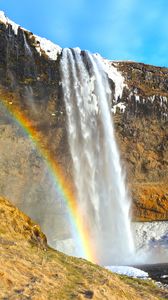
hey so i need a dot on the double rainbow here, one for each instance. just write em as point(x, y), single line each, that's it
point(63, 187)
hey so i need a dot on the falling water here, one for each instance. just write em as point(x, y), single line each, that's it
point(28, 51)
point(101, 192)
point(29, 94)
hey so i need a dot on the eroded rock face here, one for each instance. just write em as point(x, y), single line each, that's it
point(142, 132)
point(30, 82)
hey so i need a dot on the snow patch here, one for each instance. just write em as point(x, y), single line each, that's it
point(51, 50)
point(115, 75)
point(7, 21)
point(164, 99)
point(137, 99)
point(121, 106)
point(129, 271)
point(151, 98)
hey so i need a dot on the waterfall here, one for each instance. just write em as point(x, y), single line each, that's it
point(28, 51)
point(98, 176)
point(29, 94)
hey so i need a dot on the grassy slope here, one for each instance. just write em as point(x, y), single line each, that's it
point(29, 269)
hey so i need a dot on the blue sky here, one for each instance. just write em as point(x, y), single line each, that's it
point(117, 29)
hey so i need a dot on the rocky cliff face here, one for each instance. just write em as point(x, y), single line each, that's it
point(30, 82)
point(143, 135)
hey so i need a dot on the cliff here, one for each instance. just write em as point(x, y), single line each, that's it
point(32, 270)
point(30, 83)
point(143, 136)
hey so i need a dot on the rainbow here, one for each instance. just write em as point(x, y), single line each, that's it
point(63, 187)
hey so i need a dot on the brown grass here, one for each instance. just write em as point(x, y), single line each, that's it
point(31, 270)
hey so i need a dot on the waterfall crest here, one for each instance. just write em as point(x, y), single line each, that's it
point(98, 176)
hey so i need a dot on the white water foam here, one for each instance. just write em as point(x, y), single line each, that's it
point(100, 186)
point(151, 240)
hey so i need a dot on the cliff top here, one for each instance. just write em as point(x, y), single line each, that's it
point(50, 49)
